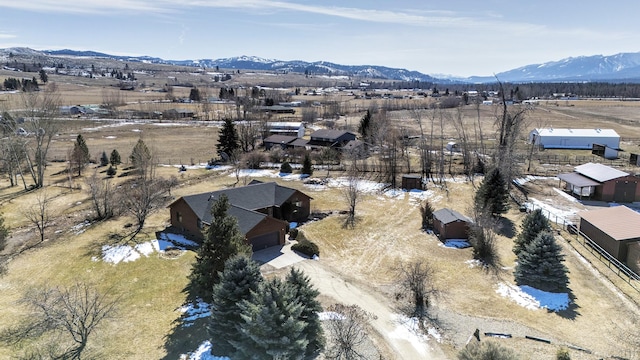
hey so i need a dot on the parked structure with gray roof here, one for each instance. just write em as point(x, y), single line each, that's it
point(601, 182)
point(450, 224)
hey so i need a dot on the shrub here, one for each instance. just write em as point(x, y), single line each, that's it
point(563, 354)
point(293, 233)
point(306, 247)
point(111, 171)
point(286, 168)
point(253, 159)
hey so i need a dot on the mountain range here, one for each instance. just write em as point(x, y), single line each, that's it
point(622, 67)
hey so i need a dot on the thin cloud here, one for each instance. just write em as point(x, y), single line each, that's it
point(86, 6)
point(7, 36)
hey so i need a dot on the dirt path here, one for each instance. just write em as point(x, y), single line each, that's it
point(331, 284)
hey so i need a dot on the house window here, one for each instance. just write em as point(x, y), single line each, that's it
point(179, 217)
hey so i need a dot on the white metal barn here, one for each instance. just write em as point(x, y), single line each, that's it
point(550, 138)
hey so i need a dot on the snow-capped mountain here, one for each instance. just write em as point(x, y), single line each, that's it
point(613, 68)
point(618, 67)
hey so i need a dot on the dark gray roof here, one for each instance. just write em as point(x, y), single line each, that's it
point(447, 216)
point(299, 142)
point(578, 180)
point(279, 139)
point(352, 144)
point(330, 134)
point(243, 200)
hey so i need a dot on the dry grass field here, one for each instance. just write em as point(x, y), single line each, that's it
point(603, 317)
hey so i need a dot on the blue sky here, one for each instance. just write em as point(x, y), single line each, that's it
point(463, 38)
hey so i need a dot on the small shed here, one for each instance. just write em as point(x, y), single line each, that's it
point(410, 182)
point(616, 230)
point(450, 224)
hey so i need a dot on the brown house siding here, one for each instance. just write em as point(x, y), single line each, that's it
point(268, 225)
point(184, 219)
point(621, 189)
point(454, 230)
point(601, 238)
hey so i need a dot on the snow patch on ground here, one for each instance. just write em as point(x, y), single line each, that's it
point(558, 216)
point(474, 263)
point(409, 329)
point(330, 315)
point(532, 298)
point(456, 243)
point(194, 311)
point(203, 353)
point(125, 253)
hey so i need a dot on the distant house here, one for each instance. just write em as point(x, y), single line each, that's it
point(177, 114)
point(450, 224)
point(276, 109)
point(330, 138)
point(289, 128)
point(601, 182)
point(616, 230)
point(262, 210)
point(281, 141)
point(574, 138)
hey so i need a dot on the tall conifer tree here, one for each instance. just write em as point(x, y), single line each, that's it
point(540, 264)
point(222, 241)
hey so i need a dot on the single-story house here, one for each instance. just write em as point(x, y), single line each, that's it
point(281, 141)
point(616, 230)
point(601, 182)
point(263, 211)
point(450, 224)
point(331, 138)
point(551, 138)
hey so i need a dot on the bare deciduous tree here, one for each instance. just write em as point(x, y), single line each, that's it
point(347, 332)
point(510, 123)
point(102, 196)
point(39, 109)
point(62, 320)
point(417, 278)
point(39, 213)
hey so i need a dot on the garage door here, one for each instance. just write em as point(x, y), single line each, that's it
point(265, 241)
point(625, 191)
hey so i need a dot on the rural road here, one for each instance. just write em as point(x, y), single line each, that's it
point(399, 340)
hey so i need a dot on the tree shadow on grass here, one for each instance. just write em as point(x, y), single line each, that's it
point(185, 337)
point(571, 313)
point(506, 227)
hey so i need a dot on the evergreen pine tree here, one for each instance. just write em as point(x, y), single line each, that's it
point(285, 168)
point(307, 168)
point(271, 327)
point(540, 264)
point(365, 126)
point(222, 241)
point(80, 153)
point(114, 158)
point(307, 296)
point(426, 212)
point(104, 159)
point(240, 277)
point(140, 155)
point(492, 196)
point(532, 225)
point(227, 139)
